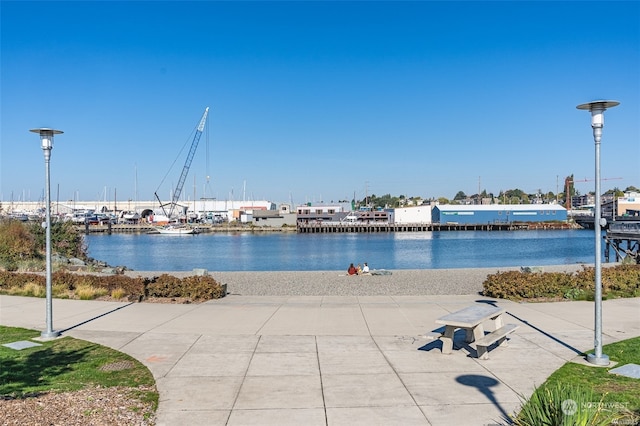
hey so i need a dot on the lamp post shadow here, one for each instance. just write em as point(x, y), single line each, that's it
point(96, 317)
point(539, 330)
point(484, 385)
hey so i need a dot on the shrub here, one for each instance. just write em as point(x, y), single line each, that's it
point(617, 281)
point(118, 293)
point(16, 243)
point(200, 287)
point(564, 405)
point(30, 265)
point(87, 286)
point(518, 285)
point(90, 292)
point(11, 279)
point(32, 289)
point(66, 240)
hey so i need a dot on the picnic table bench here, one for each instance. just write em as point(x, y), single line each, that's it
point(471, 319)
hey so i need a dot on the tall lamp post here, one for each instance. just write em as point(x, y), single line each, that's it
point(597, 109)
point(46, 137)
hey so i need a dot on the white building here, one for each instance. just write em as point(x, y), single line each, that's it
point(226, 210)
point(630, 201)
point(412, 215)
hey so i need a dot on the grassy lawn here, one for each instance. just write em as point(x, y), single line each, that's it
point(613, 387)
point(616, 394)
point(67, 364)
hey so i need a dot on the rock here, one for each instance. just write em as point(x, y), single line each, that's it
point(56, 258)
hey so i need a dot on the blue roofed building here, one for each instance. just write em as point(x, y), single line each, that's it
point(498, 213)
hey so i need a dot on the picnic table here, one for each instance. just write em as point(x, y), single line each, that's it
point(472, 319)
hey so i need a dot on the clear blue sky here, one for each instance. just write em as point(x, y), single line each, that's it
point(316, 101)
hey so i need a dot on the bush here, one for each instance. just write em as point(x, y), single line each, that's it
point(617, 281)
point(518, 285)
point(87, 286)
point(66, 240)
point(17, 243)
point(23, 245)
point(32, 289)
point(118, 293)
point(564, 405)
point(90, 292)
point(200, 287)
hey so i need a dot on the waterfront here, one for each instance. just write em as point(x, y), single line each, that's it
point(325, 252)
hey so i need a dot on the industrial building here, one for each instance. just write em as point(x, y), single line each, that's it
point(413, 214)
point(497, 213)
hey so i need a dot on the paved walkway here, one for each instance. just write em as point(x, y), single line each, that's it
point(246, 360)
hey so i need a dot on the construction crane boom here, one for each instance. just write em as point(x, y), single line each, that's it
point(187, 164)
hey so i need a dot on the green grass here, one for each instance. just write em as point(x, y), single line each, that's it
point(616, 393)
point(67, 364)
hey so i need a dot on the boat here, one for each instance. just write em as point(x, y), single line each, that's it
point(129, 217)
point(177, 230)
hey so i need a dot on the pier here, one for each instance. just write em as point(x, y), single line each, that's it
point(335, 227)
point(624, 238)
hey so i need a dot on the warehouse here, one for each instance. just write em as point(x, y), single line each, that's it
point(498, 213)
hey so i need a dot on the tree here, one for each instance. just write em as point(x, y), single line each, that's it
point(550, 196)
point(16, 244)
point(460, 196)
point(65, 239)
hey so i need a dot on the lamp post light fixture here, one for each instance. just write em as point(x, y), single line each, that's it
point(597, 109)
point(46, 137)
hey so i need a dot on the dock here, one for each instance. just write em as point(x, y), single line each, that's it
point(623, 237)
point(336, 227)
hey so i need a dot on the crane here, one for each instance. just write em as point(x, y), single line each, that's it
point(187, 165)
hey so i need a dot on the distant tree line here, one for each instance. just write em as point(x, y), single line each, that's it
point(510, 196)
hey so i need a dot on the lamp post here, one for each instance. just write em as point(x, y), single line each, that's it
point(46, 137)
point(597, 109)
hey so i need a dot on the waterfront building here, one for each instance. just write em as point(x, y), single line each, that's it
point(497, 213)
point(629, 204)
point(274, 218)
point(311, 212)
point(414, 214)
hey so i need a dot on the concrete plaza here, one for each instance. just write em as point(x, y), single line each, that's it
point(329, 360)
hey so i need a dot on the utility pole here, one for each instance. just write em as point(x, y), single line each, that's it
point(366, 193)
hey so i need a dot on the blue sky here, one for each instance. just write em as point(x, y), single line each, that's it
point(316, 101)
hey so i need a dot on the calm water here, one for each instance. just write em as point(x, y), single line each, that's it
point(297, 252)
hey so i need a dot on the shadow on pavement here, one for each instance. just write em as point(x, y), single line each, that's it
point(95, 318)
point(539, 330)
point(484, 385)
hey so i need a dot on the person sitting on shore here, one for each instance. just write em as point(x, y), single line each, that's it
point(358, 269)
point(352, 270)
point(365, 268)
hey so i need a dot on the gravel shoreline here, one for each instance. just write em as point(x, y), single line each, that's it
point(414, 282)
